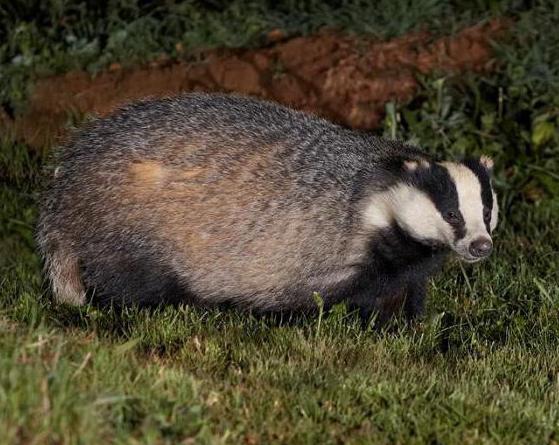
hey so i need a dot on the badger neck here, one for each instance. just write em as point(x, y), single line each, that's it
point(396, 249)
point(399, 228)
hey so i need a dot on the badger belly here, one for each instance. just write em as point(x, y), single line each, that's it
point(122, 279)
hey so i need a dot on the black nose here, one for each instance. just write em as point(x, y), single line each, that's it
point(481, 247)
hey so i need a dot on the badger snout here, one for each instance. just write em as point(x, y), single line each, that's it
point(474, 250)
point(480, 247)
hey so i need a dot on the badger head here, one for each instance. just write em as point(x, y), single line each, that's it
point(448, 204)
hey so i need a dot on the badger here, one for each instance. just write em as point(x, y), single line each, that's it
point(221, 199)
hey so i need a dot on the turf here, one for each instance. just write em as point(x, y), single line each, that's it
point(482, 367)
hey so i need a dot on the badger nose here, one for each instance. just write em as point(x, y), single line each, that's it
point(481, 247)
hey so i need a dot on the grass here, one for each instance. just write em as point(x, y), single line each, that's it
point(39, 37)
point(482, 367)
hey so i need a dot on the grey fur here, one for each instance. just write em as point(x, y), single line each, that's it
point(213, 198)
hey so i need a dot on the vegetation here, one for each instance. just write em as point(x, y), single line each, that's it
point(483, 366)
point(45, 37)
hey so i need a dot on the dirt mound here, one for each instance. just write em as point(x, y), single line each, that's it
point(343, 78)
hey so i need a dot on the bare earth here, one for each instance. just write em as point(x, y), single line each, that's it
point(346, 79)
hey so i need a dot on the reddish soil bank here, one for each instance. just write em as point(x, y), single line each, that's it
point(343, 78)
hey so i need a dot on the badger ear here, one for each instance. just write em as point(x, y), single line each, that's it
point(487, 163)
point(413, 165)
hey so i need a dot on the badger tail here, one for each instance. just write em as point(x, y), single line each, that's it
point(63, 270)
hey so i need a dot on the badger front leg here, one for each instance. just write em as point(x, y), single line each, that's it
point(382, 304)
point(400, 297)
point(415, 299)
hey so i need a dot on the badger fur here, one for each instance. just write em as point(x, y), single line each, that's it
point(214, 199)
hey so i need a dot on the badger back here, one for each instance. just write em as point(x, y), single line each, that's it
point(219, 196)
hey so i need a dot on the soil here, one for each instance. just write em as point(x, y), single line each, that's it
point(343, 78)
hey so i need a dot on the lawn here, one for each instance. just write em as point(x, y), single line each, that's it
point(482, 366)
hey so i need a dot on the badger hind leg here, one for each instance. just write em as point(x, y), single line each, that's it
point(63, 271)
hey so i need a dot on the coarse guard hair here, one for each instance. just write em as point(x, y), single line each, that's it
point(210, 199)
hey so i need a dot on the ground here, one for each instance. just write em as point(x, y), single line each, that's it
point(482, 366)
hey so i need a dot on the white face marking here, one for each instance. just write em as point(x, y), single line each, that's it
point(494, 213)
point(416, 213)
point(470, 206)
point(412, 165)
point(412, 209)
point(486, 161)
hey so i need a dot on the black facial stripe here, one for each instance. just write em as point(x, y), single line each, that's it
point(437, 183)
point(483, 177)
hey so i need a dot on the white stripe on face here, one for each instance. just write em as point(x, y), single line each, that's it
point(412, 209)
point(470, 206)
point(494, 212)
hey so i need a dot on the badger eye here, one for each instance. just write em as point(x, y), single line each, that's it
point(452, 217)
point(486, 214)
